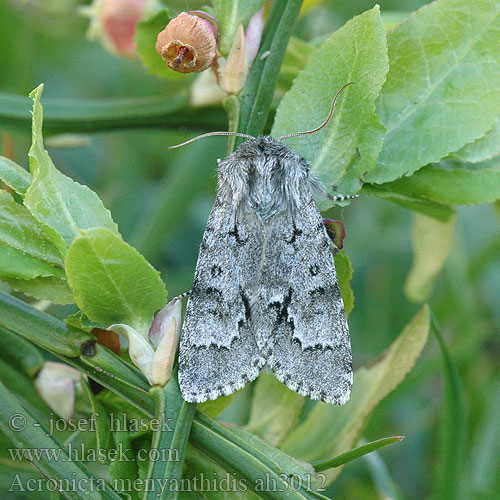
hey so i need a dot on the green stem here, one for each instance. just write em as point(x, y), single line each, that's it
point(174, 417)
point(41, 328)
point(257, 95)
point(66, 116)
point(26, 432)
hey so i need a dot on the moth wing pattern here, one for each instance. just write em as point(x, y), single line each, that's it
point(300, 320)
point(218, 352)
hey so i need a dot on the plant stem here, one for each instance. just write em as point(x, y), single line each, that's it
point(66, 116)
point(257, 95)
point(174, 417)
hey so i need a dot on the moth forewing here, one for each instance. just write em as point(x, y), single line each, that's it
point(265, 287)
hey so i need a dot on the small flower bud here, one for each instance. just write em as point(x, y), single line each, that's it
point(188, 43)
point(164, 334)
point(161, 322)
point(55, 383)
point(236, 70)
point(113, 23)
point(253, 35)
point(164, 357)
point(140, 351)
point(336, 231)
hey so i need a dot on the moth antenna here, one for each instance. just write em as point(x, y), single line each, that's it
point(210, 134)
point(328, 118)
point(182, 295)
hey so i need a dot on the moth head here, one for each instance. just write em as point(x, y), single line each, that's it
point(287, 136)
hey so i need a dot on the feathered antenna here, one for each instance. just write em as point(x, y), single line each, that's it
point(317, 129)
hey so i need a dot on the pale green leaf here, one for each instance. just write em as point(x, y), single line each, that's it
point(100, 419)
point(335, 429)
point(146, 34)
point(214, 407)
point(453, 182)
point(344, 274)
point(230, 14)
point(199, 465)
point(43, 288)
point(347, 148)
point(296, 56)
point(432, 243)
point(112, 282)
point(79, 320)
point(442, 88)
point(55, 200)
point(20, 230)
point(412, 202)
point(275, 409)
point(485, 148)
point(16, 264)
point(355, 453)
point(386, 487)
point(15, 176)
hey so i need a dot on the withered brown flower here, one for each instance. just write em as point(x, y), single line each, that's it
point(188, 43)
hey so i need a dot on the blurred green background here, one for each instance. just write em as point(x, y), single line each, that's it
point(140, 182)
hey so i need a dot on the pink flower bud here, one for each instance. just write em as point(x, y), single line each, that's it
point(55, 383)
point(113, 22)
point(164, 334)
point(253, 35)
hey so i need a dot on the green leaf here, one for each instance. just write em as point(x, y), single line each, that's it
point(296, 56)
point(442, 89)
point(199, 465)
point(432, 243)
point(100, 420)
point(79, 320)
point(453, 428)
point(230, 14)
point(355, 453)
point(485, 148)
point(50, 288)
point(125, 466)
point(146, 34)
point(214, 407)
point(412, 202)
point(275, 409)
point(485, 447)
point(20, 230)
point(112, 282)
point(16, 177)
point(344, 274)
point(37, 437)
point(17, 264)
point(453, 182)
point(336, 429)
point(55, 200)
point(386, 487)
point(346, 149)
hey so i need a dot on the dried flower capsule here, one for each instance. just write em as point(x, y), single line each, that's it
point(188, 43)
